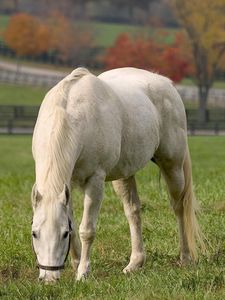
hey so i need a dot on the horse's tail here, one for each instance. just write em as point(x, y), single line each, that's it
point(190, 208)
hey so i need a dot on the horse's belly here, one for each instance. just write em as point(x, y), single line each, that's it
point(135, 154)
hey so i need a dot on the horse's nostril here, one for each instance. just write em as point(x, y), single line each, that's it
point(40, 279)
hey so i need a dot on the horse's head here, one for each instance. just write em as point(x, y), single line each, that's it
point(51, 231)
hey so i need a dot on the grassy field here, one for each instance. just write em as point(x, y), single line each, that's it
point(27, 95)
point(160, 278)
point(21, 95)
point(106, 33)
point(218, 84)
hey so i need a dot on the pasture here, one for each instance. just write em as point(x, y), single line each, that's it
point(161, 278)
point(105, 34)
point(21, 95)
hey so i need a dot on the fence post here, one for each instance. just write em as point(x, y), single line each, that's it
point(10, 126)
point(192, 129)
point(216, 129)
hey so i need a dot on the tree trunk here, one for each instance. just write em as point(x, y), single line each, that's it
point(83, 9)
point(202, 111)
point(131, 11)
point(16, 6)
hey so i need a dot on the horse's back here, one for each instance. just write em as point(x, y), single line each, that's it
point(164, 109)
point(159, 89)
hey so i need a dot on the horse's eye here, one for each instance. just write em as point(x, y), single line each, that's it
point(34, 234)
point(65, 235)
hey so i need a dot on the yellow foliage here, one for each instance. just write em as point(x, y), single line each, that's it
point(204, 22)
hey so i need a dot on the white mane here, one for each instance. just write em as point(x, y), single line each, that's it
point(61, 144)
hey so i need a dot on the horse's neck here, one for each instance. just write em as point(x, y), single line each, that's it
point(55, 161)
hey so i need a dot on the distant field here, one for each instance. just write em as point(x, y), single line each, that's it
point(106, 33)
point(28, 95)
point(160, 278)
point(21, 95)
point(3, 22)
point(219, 84)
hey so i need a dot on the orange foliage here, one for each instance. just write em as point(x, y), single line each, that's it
point(61, 34)
point(26, 35)
point(169, 60)
point(66, 39)
point(43, 38)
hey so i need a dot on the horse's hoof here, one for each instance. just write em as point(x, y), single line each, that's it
point(131, 268)
point(184, 261)
point(136, 262)
point(82, 277)
point(82, 272)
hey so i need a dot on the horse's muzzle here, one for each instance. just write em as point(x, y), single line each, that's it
point(49, 277)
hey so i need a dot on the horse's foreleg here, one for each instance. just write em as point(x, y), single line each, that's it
point(75, 250)
point(75, 247)
point(127, 191)
point(92, 204)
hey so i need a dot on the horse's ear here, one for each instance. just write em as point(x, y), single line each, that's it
point(65, 195)
point(35, 196)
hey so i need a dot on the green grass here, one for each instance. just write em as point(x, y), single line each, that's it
point(106, 33)
point(27, 95)
point(21, 95)
point(218, 84)
point(160, 278)
point(4, 19)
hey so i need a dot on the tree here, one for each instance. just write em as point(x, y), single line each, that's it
point(204, 23)
point(26, 35)
point(126, 52)
point(70, 42)
point(176, 60)
point(169, 60)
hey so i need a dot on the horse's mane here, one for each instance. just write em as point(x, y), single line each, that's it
point(62, 144)
point(59, 92)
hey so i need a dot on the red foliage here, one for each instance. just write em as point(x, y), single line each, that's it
point(170, 60)
point(138, 53)
point(176, 60)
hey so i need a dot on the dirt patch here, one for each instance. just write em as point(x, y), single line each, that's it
point(13, 273)
point(9, 273)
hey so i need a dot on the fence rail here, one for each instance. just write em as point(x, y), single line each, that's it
point(17, 119)
point(25, 78)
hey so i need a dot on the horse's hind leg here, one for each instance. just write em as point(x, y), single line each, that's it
point(127, 191)
point(178, 175)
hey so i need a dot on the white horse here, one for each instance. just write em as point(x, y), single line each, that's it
point(95, 129)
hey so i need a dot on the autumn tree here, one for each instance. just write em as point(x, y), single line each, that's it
point(170, 60)
point(126, 51)
point(26, 35)
point(69, 41)
point(204, 23)
point(176, 61)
